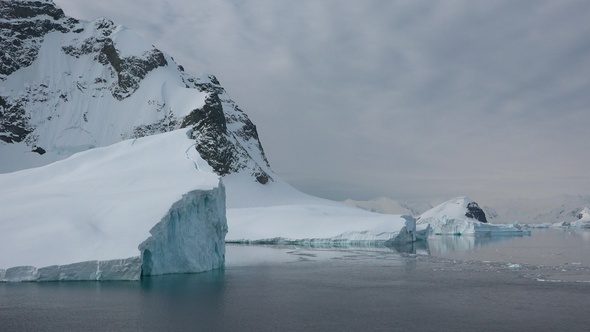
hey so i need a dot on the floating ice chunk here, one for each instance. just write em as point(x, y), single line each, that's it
point(21, 273)
point(116, 269)
point(451, 226)
point(580, 224)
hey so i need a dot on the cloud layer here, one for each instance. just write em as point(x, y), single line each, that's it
point(413, 100)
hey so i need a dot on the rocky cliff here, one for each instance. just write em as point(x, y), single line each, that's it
point(68, 85)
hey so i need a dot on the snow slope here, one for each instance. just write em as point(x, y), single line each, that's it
point(278, 213)
point(583, 220)
point(69, 85)
point(101, 205)
point(390, 206)
point(449, 218)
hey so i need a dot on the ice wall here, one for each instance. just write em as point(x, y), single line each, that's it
point(190, 237)
point(116, 269)
point(451, 226)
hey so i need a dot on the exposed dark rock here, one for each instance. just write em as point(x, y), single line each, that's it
point(22, 30)
point(475, 212)
point(169, 122)
point(29, 9)
point(14, 123)
point(129, 70)
point(218, 146)
point(262, 177)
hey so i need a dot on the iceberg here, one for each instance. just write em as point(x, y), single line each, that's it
point(451, 218)
point(145, 206)
point(117, 269)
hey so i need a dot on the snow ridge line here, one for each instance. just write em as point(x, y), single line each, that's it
point(189, 158)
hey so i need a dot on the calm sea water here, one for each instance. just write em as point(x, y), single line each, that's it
point(457, 287)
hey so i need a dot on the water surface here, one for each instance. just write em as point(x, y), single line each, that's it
point(267, 288)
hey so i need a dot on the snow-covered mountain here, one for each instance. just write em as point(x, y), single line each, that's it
point(78, 100)
point(68, 85)
point(557, 209)
point(562, 208)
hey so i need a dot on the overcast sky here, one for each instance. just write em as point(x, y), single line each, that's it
point(414, 100)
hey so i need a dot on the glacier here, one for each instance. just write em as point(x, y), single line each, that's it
point(277, 213)
point(150, 205)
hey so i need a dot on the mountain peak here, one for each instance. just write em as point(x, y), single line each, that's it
point(69, 85)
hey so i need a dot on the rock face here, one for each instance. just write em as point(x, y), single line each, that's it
point(475, 212)
point(23, 25)
point(68, 85)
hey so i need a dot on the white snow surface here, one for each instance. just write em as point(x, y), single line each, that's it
point(90, 212)
point(584, 215)
point(583, 220)
point(449, 218)
point(390, 206)
point(277, 213)
point(69, 101)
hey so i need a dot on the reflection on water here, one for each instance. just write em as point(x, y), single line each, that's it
point(541, 247)
point(294, 288)
point(553, 247)
point(451, 243)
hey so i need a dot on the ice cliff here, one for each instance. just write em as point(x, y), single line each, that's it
point(150, 205)
point(190, 237)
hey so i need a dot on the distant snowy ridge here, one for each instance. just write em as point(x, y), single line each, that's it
point(584, 214)
point(139, 206)
point(583, 220)
point(539, 211)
